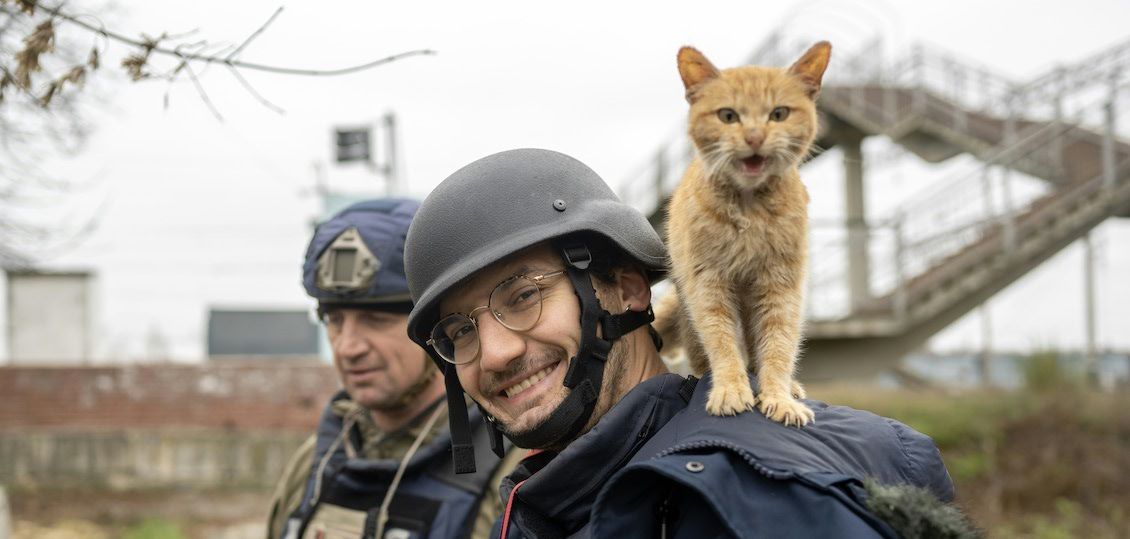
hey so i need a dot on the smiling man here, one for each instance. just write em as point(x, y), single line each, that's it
point(532, 289)
point(521, 381)
point(379, 461)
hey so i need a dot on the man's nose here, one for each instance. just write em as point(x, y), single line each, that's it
point(498, 344)
point(349, 343)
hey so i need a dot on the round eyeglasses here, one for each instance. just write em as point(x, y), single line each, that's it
point(515, 303)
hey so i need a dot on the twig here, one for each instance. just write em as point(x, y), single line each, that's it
point(254, 35)
point(203, 94)
point(237, 63)
point(247, 86)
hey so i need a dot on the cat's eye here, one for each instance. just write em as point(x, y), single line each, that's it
point(728, 116)
point(779, 114)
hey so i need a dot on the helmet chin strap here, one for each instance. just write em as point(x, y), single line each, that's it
point(584, 377)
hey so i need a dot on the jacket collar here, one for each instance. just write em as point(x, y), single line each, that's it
point(560, 488)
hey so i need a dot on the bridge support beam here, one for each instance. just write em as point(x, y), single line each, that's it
point(859, 266)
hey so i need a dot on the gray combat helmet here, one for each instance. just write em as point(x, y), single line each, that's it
point(495, 207)
point(504, 203)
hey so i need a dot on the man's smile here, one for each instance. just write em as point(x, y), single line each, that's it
point(524, 388)
point(520, 386)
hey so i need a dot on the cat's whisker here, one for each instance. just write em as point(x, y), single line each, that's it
point(816, 149)
point(812, 152)
point(706, 151)
point(720, 165)
point(715, 160)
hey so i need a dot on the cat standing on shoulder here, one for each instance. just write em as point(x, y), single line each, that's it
point(737, 230)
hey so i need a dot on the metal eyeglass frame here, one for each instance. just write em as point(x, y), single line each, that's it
point(536, 279)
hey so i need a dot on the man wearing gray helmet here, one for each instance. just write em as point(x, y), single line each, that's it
point(378, 465)
point(532, 290)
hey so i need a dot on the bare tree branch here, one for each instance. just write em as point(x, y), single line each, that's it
point(203, 94)
point(254, 34)
point(41, 111)
point(227, 60)
point(251, 90)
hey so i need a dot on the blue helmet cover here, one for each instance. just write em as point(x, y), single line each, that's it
point(383, 226)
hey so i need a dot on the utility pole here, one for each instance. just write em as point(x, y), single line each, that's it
point(986, 346)
point(321, 187)
point(391, 166)
point(1091, 359)
point(859, 265)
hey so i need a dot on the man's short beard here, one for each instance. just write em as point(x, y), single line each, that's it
point(610, 391)
point(611, 388)
point(554, 355)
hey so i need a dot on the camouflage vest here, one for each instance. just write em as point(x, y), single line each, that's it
point(357, 469)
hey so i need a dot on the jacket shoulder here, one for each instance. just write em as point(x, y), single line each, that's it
point(842, 440)
point(700, 474)
point(717, 492)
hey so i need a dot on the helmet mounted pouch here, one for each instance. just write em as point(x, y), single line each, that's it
point(347, 265)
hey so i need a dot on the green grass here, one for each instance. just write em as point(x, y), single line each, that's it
point(968, 466)
point(1047, 461)
point(953, 420)
point(154, 528)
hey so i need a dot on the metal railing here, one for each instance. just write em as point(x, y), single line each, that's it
point(1017, 127)
point(940, 222)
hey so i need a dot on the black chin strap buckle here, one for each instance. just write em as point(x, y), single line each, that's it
point(577, 256)
point(615, 326)
point(496, 443)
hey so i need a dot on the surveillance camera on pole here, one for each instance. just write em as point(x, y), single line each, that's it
point(355, 144)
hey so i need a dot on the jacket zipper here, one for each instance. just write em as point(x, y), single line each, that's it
point(750, 459)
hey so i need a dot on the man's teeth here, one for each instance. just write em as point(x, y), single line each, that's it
point(535, 378)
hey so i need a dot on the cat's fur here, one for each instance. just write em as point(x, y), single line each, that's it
point(737, 230)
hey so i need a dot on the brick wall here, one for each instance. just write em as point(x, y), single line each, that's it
point(231, 423)
point(231, 395)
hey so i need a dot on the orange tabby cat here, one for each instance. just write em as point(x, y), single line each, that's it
point(737, 229)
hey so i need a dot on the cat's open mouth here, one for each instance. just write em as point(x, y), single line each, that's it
point(753, 165)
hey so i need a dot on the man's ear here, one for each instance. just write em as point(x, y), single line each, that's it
point(634, 288)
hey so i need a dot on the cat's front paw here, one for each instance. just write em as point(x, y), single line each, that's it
point(730, 398)
point(785, 409)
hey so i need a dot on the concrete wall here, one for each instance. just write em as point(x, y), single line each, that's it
point(227, 424)
point(138, 459)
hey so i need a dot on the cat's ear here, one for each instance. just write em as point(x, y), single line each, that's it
point(810, 68)
point(695, 70)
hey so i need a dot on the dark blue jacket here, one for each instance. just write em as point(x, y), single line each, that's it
point(658, 465)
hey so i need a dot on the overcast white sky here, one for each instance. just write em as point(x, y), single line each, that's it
point(199, 213)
